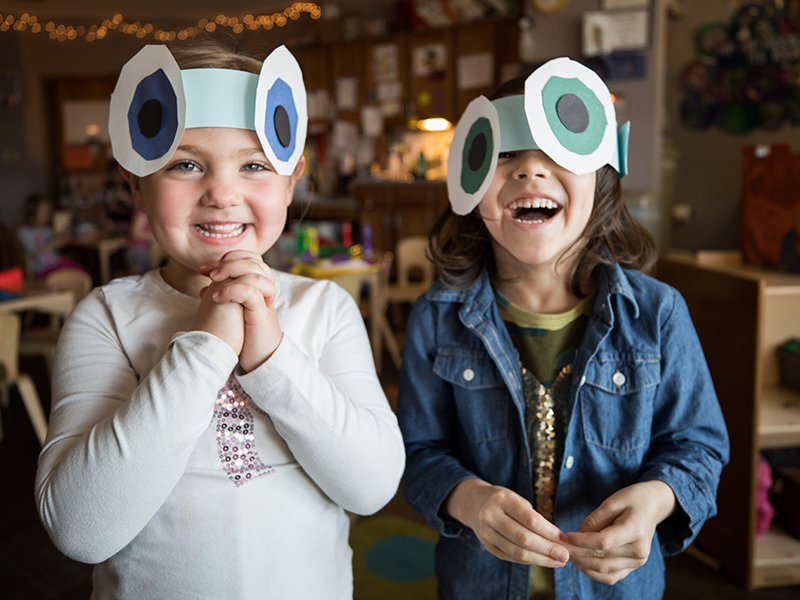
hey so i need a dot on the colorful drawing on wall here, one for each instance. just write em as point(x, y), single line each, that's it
point(771, 206)
point(746, 73)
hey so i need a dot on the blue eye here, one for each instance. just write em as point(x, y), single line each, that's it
point(153, 116)
point(146, 116)
point(281, 112)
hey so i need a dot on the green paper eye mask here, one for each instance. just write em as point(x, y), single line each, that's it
point(566, 111)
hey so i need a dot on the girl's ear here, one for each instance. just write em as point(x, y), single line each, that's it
point(134, 181)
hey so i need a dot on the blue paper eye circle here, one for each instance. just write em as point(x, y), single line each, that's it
point(280, 120)
point(153, 116)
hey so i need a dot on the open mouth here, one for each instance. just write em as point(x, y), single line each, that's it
point(537, 210)
point(228, 230)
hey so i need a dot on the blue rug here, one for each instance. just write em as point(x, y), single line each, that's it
point(392, 559)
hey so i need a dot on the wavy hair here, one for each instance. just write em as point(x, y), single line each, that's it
point(461, 246)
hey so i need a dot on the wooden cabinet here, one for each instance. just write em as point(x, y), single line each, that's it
point(399, 210)
point(315, 62)
point(387, 77)
point(348, 64)
point(432, 68)
point(743, 315)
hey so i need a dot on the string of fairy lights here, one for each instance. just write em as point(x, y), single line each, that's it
point(62, 32)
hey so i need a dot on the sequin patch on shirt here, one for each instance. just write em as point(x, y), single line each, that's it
point(233, 413)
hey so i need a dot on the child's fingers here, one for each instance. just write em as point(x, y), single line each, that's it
point(252, 292)
point(232, 269)
point(607, 573)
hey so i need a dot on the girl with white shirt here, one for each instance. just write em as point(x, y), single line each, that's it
point(214, 419)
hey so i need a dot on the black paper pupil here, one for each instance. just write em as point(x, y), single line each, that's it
point(149, 118)
point(572, 113)
point(283, 128)
point(477, 152)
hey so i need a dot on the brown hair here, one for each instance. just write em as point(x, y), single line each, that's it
point(210, 54)
point(30, 208)
point(461, 246)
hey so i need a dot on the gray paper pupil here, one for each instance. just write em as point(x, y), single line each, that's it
point(283, 127)
point(572, 113)
point(150, 117)
point(477, 152)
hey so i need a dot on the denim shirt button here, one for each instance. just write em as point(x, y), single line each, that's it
point(569, 462)
point(619, 379)
point(583, 379)
point(468, 374)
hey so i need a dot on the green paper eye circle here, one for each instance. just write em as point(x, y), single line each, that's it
point(477, 156)
point(571, 116)
point(575, 114)
point(473, 155)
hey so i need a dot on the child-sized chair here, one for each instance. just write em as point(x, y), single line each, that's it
point(42, 340)
point(10, 375)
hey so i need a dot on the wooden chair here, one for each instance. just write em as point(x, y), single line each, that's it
point(375, 310)
point(415, 274)
point(9, 375)
point(42, 340)
point(411, 259)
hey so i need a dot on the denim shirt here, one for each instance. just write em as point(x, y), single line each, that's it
point(642, 407)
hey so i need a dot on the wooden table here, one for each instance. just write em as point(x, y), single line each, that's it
point(51, 301)
point(105, 247)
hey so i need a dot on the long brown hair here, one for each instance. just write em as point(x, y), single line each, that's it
point(461, 246)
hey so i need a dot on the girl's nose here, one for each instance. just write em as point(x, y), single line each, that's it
point(221, 191)
point(532, 164)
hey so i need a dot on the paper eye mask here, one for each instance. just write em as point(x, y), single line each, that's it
point(566, 111)
point(154, 102)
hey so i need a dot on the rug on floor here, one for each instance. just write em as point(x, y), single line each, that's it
point(392, 559)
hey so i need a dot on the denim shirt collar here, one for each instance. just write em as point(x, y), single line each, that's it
point(478, 298)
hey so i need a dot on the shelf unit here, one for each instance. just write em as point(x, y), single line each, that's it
point(742, 315)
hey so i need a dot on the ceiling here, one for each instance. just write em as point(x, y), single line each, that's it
point(86, 11)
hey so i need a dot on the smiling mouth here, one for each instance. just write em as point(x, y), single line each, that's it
point(229, 230)
point(537, 210)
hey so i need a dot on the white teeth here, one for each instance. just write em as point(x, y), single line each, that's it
point(535, 203)
point(220, 231)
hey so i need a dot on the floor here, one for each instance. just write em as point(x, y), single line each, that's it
point(32, 569)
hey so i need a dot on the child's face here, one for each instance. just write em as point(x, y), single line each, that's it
point(43, 212)
point(532, 238)
point(218, 193)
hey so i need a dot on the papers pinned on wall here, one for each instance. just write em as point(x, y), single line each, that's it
point(475, 71)
point(608, 32)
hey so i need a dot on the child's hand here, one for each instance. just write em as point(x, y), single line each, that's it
point(224, 321)
point(245, 280)
point(615, 539)
point(506, 524)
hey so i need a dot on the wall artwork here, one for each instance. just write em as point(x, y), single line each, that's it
point(746, 73)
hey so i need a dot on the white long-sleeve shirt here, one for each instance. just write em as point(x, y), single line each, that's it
point(138, 472)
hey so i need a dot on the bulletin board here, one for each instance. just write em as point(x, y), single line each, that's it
point(746, 70)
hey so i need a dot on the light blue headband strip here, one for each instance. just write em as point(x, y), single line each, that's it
point(515, 133)
point(220, 98)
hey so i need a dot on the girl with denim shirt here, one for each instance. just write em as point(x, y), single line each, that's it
point(562, 431)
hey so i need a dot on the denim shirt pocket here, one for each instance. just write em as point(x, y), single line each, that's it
point(479, 393)
point(617, 399)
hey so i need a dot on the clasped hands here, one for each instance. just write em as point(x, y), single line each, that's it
point(238, 307)
point(610, 543)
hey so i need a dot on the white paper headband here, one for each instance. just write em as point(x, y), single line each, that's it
point(566, 111)
point(154, 102)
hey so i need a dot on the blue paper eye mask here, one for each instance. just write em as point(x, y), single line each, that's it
point(154, 102)
point(566, 111)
